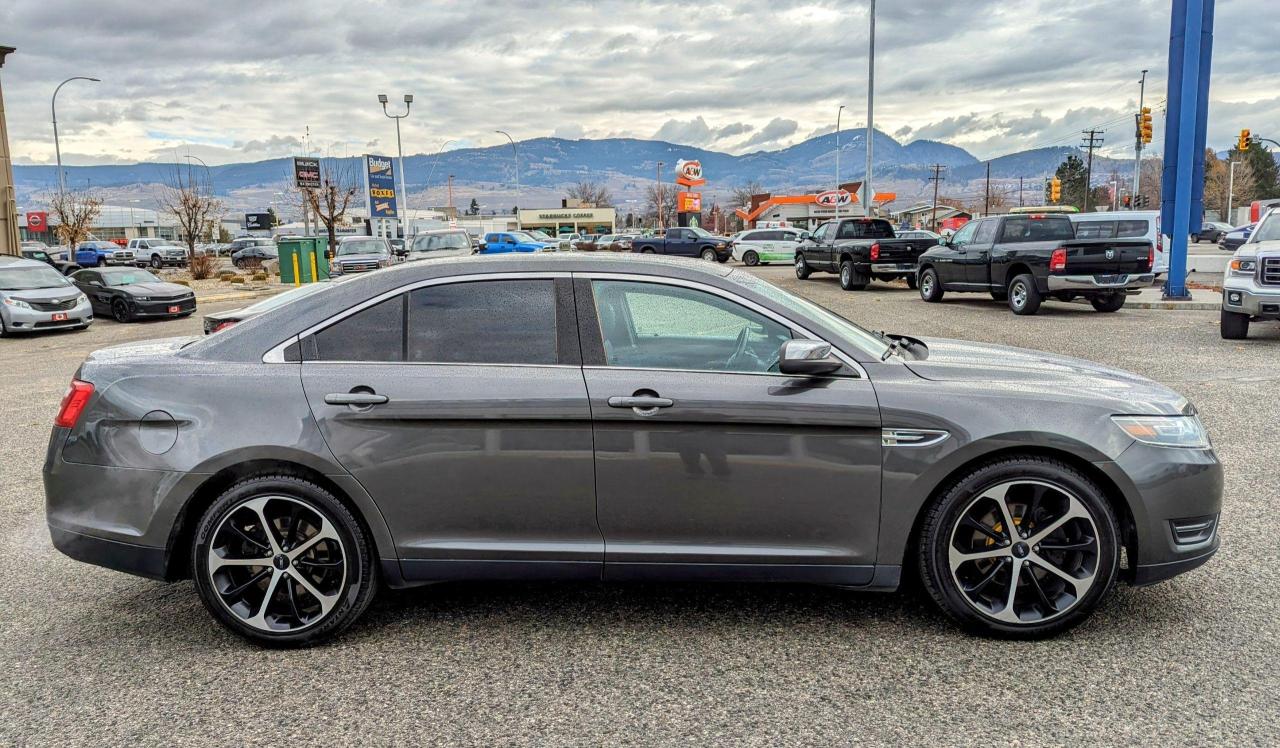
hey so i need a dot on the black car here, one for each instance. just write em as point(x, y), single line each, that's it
point(128, 294)
point(215, 321)
point(1211, 231)
point(251, 251)
point(40, 255)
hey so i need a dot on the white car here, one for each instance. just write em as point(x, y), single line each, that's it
point(763, 246)
point(1126, 224)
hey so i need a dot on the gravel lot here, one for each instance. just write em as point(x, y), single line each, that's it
point(90, 656)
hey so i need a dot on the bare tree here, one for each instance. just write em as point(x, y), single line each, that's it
point(591, 193)
point(660, 204)
point(75, 213)
point(188, 196)
point(338, 187)
point(740, 198)
point(1218, 180)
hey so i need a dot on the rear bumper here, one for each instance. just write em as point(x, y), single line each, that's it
point(144, 561)
point(1117, 282)
point(899, 268)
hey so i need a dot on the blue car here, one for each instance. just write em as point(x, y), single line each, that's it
point(502, 242)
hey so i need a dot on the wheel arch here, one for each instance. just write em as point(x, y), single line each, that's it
point(1016, 269)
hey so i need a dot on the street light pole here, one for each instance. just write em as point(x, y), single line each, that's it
point(408, 104)
point(658, 193)
point(871, 91)
point(57, 147)
point(516, 154)
point(838, 113)
point(1137, 148)
point(1231, 185)
point(435, 162)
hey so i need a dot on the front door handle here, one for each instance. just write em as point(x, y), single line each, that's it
point(642, 402)
point(355, 398)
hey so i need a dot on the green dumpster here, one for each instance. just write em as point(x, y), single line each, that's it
point(302, 259)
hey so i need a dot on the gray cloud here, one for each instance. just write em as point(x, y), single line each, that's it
point(777, 129)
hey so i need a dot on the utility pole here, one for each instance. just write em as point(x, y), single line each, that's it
point(1092, 142)
point(657, 194)
point(986, 201)
point(450, 197)
point(936, 178)
point(1019, 192)
point(867, 191)
point(9, 242)
point(837, 187)
point(1137, 149)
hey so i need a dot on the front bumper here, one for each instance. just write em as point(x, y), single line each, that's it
point(1244, 296)
point(163, 308)
point(30, 320)
point(1108, 282)
point(1166, 490)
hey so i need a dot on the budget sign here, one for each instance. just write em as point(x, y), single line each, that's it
point(380, 186)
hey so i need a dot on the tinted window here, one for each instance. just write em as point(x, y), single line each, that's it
point(985, 233)
point(865, 230)
point(965, 234)
point(654, 326)
point(821, 233)
point(1130, 229)
point(485, 322)
point(1095, 229)
point(373, 334)
point(1036, 229)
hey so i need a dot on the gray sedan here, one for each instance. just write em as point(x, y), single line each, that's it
point(585, 417)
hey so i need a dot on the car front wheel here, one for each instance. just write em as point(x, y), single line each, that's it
point(1022, 547)
point(709, 254)
point(281, 562)
point(750, 258)
point(1233, 325)
point(156, 262)
point(930, 286)
point(120, 311)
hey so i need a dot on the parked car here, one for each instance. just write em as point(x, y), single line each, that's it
point(1236, 237)
point(217, 321)
point(246, 252)
point(763, 246)
point(35, 297)
point(440, 243)
point(33, 244)
point(99, 253)
point(1128, 224)
point(1211, 231)
point(685, 241)
point(360, 254)
point(1024, 258)
point(859, 249)
point(41, 255)
point(406, 427)
point(502, 242)
point(157, 253)
point(1251, 283)
point(918, 234)
point(129, 294)
point(542, 236)
point(592, 242)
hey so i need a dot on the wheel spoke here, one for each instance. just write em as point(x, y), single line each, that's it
point(217, 562)
point(974, 524)
point(1076, 583)
point(239, 589)
point(326, 601)
point(259, 619)
point(257, 506)
point(1074, 545)
point(1074, 511)
point(326, 532)
point(236, 529)
point(1049, 605)
point(958, 557)
point(981, 584)
point(1007, 613)
point(292, 589)
point(999, 495)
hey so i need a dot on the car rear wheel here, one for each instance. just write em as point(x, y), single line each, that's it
point(930, 287)
point(281, 562)
point(850, 279)
point(1024, 547)
point(750, 258)
point(1024, 297)
point(802, 268)
point(1109, 303)
point(912, 282)
point(120, 311)
point(1233, 325)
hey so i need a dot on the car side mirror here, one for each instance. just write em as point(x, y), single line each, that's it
point(943, 241)
point(807, 357)
point(803, 236)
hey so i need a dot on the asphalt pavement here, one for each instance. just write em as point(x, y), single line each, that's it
point(90, 656)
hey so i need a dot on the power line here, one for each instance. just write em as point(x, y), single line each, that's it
point(1092, 141)
point(936, 178)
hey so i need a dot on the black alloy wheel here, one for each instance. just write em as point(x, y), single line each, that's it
point(120, 311)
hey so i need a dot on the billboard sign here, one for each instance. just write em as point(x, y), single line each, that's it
point(688, 202)
point(380, 186)
point(306, 173)
point(689, 173)
point(258, 222)
point(37, 222)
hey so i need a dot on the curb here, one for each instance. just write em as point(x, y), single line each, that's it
point(238, 295)
point(1181, 306)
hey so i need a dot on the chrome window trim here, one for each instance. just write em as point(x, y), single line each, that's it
point(912, 437)
point(276, 354)
point(860, 373)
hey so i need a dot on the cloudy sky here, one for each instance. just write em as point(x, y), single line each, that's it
point(239, 80)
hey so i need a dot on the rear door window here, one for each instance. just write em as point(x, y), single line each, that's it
point(986, 232)
point(484, 322)
point(1131, 229)
point(1036, 228)
point(372, 334)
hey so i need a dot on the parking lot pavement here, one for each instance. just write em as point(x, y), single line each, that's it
point(92, 656)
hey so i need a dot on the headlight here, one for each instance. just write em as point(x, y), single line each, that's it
point(17, 302)
point(1243, 267)
point(1165, 431)
point(142, 298)
point(82, 299)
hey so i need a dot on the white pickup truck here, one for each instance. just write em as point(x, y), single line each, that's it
point(157, 253)
point(1251, 283)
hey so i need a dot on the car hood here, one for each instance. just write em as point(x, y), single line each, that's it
point(154, 289)
point(56, 293)
point(1269, 248)
point(1045, 376)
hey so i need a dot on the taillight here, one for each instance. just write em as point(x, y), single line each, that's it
point(875, 251)
point(1058, 260)
point(1151, 257)
point(73, 404)
point(224, 324)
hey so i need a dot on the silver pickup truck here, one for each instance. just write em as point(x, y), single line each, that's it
point(1251, 283)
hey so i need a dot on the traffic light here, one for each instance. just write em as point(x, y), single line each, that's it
point(1144, 124)
point(1243, 144)
point(1128, 201)
point(1055, 190)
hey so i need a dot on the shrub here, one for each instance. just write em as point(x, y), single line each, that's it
point(202, 266)
point(259, 276)
point(237, 279)
point(181, 282)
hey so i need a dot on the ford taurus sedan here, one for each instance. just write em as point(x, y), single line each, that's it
point(583, 417)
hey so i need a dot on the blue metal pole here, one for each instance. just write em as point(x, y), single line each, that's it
point(1186, 114)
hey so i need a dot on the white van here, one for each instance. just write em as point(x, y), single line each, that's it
point(1126, 224)
point(763, 246)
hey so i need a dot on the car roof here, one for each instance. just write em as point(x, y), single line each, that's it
point(10, 261)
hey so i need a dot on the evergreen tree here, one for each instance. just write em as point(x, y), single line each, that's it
point(474, 208)
point(1262, 165)
point(1072, 174)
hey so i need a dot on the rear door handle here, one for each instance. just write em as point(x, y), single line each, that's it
point(641, 402)
point(354, 398)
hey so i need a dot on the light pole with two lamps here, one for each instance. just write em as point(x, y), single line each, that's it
point(404, 194)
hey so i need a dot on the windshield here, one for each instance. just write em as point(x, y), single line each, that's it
point(128, 277)
point(26, 279)
point(437, 242)
point(1268, 230)
point(362, 247)
point(38, 255)
point(699, 231)
point(865, 340)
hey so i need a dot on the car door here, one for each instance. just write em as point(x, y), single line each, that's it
point(816, 248)
point(949, 259)
point(977, 256)
point(709, 463)
point(90, 283)
point(460, 407)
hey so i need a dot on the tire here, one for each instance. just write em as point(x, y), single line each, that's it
point(234, 527)
point(708, 254)
point(1233, 325)
point(1024, 297)
point(120, 311)
point(912, 282)
point(929, 285)
point(1195, 239)
point(850, 279)
point(750, 258)
point(803, 270)
point(101, 262)
point(969, 518)
point(646, 250)
point(1109, 303)
point(1001, 295)
point(156, 262)
point(238, 263)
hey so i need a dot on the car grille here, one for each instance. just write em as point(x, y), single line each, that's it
point(358, 267)
point(120, 254)
point(52, 306)
point(1269, 271)
point(1192, 530)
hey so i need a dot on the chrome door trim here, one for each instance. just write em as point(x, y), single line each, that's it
point(912, 437)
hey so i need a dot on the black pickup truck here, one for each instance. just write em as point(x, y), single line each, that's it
point(860, 249)
point(1025, 258)
point(685, 241)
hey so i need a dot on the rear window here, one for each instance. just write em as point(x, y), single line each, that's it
point(373, 334)
point(1131, 229)
point(865, 230)
point(1035, 228)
